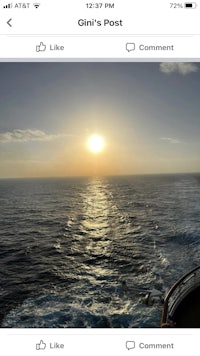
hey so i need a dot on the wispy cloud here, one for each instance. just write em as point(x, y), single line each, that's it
point(28, 135)
point(170, 140)
point(181, 68)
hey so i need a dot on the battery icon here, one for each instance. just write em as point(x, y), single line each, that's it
point(190, 5)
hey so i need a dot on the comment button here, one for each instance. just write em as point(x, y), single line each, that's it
point(130, 345)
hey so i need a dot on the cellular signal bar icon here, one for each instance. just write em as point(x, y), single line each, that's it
point(8, 6)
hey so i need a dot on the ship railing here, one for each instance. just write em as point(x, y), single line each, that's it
point(178, 292)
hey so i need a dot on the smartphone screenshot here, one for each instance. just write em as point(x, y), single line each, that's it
point(99, 178)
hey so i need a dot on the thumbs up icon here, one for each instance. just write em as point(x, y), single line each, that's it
point(41, 47)
point(41, 345)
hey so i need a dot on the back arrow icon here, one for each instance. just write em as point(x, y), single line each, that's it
point(8, 22)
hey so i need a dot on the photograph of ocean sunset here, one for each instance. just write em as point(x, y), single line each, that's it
point(99, 192)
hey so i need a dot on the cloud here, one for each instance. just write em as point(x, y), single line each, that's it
point(170, 140)
point(28, 135)
point(181, 68)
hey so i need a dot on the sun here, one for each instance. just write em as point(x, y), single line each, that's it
point(96, 143)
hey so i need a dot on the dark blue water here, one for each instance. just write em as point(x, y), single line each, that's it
point(67, 244)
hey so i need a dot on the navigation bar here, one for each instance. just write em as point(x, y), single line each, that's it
point(101, 18)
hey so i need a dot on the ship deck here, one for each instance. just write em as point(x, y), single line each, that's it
point(187, 314)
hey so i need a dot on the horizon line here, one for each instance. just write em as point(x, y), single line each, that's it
point(102, 176)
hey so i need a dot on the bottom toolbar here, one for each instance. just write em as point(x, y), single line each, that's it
point(99, 342)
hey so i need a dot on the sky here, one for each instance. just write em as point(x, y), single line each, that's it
point(147, 113)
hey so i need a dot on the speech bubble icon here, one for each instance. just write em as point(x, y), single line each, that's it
point(130, 345)
point(130, 46)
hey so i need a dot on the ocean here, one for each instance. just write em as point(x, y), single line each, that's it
point(67, 244)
